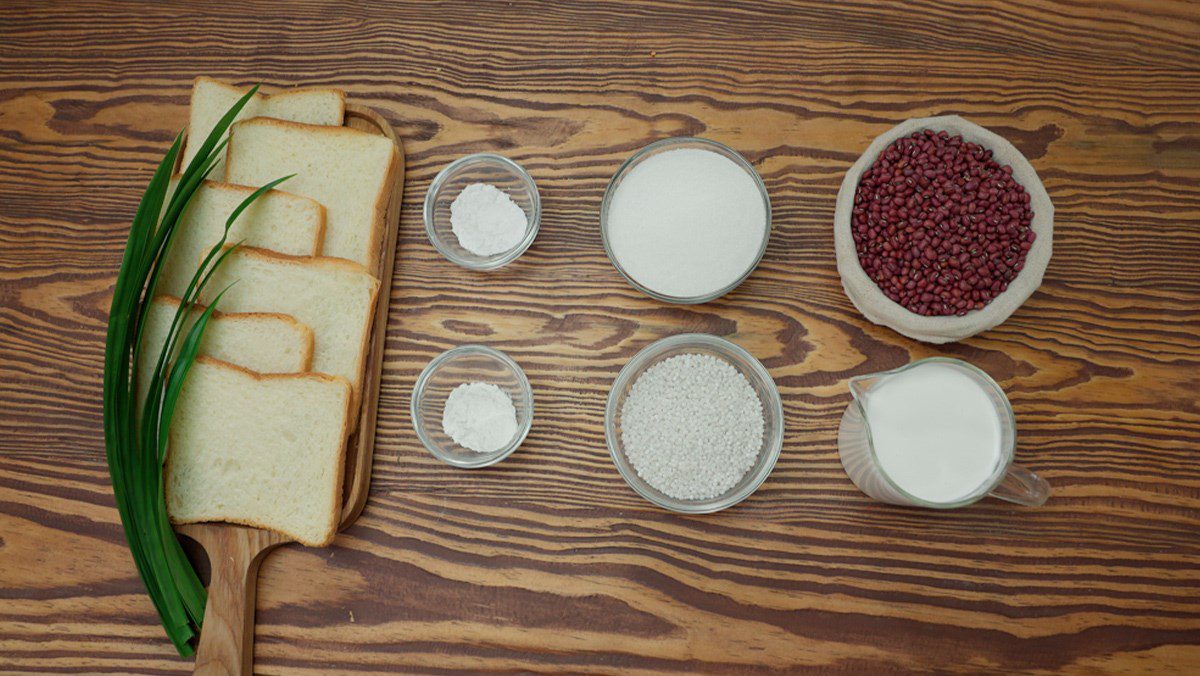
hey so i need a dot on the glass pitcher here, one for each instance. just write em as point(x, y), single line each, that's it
point(1007, 481)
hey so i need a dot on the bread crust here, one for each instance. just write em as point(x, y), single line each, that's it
point(349, 266)
point(240, 90)
point(318, 244)
point(305, 330)
point(379, 208)
point(340, 471)
point(381, 205)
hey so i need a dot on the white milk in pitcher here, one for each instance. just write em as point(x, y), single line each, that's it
point(935, 431)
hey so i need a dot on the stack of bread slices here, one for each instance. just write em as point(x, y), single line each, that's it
point(260, 430)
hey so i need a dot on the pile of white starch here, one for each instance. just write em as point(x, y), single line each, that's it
point(486, 220)
point(692, 426)
point(479, 417)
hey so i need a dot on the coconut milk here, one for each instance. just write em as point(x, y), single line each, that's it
point(935, 431)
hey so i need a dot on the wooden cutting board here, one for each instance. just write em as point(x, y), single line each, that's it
point(235, 552)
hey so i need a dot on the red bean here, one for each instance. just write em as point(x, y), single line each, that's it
point(939, 225)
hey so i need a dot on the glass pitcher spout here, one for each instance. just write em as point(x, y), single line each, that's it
point(861, 385)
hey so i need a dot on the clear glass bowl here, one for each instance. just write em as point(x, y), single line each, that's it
point(480, 168)
point(468, 364)
point(756, 375)
point(676, 143)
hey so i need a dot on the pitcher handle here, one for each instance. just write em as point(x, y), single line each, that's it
point(1023, 487)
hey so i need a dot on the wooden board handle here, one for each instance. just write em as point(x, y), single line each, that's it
point(227, 639)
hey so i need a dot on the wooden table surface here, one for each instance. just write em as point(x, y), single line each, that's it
point(549, 562)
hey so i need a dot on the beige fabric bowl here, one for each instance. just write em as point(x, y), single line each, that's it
point(880, 309)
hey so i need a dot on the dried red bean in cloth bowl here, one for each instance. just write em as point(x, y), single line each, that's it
point(939, 225)
point(941, 237)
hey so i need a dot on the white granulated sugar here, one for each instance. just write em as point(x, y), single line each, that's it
point(692, 426)
point(486, 220)
point(479, 417)
point(686, 222)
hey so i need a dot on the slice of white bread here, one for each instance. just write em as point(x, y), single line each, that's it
point(262, 450)
point(211, 99)
point(259, 341)
point(334, 297)
point(277, 220)
point(348, 171)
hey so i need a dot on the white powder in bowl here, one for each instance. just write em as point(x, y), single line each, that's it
point(479, 417)
point(686, 222)
point(486, 220)
point(692, 426)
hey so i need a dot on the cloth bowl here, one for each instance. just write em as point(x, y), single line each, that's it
point(880, 309)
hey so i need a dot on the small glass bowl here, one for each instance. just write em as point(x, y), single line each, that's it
point(479, 168)
point(468, 364)
point(676, 143)
point(756, 375)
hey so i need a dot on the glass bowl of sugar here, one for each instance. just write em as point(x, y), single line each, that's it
point(482, 211)
point(694, 423)
point(685, 220)
point(472, 406)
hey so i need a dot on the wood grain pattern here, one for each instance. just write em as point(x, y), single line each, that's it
point(548, 562)
point(234, 553)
